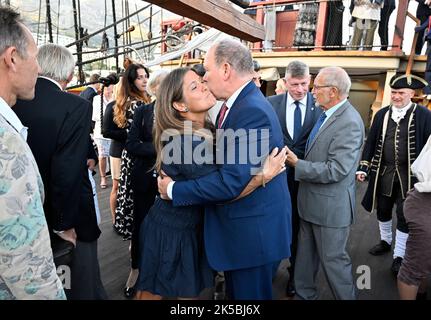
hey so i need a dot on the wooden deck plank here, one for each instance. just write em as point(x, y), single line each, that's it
point(114, 258)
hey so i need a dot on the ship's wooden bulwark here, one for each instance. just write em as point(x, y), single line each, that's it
point(217, 14)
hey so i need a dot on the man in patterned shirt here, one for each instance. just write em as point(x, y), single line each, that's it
point(27, 269)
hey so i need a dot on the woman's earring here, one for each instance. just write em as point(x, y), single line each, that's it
point(186, 109)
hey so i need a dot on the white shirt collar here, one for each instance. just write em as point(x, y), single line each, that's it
point(402, 110)
point(291, 101)
point(400, 113)
point(232, 98)
point(53, 81)
point(10, 116)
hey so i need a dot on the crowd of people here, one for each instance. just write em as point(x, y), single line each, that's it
point(199, 195)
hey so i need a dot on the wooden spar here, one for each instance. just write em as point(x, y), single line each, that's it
point(107, 27)
point(218, 14)
point(48, 20)
point(397, 42)
point(415, 39)
point(115, 37)
point(81, 76)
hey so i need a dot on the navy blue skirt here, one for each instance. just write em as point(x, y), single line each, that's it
point(173, 261)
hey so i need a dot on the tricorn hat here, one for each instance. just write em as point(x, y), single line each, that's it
point(409, 81)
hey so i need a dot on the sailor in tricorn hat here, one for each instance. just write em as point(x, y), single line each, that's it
point(396, 138)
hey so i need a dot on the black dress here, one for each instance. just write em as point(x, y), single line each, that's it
point(173, 261)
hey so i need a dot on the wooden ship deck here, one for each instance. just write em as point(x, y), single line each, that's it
point(115, 266)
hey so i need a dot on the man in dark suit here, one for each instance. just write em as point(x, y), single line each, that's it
point(396, 138)
point(297, 115)
point(92, 90)
point(59, 137)
point(246, 237)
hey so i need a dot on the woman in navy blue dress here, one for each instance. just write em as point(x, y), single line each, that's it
point(172, 261)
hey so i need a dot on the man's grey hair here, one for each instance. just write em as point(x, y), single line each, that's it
point(155, 79)
point(236, 54)
point(337, 77)
point(12, 33)
point(56, 62)
point(297, 69)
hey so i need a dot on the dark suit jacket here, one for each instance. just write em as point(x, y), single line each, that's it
point(111, 131)
point(422, 9)
point(254, 230)
point(87, 229)
point(89, 93)
point(278, 102)
point(58, 135)
point(140, 137)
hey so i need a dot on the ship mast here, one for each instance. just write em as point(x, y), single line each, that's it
point(81, 76)
point(115, 36)
point(48, 20)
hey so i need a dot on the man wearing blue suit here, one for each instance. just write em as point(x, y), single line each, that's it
point(243, 238)
point(297, 115)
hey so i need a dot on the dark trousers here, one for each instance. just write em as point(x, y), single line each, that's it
point(293, 190)
point(385, 205)
point(251, 283)
point(385, 14)
point(144, 187)
point(86, 283)
point(420, 41)
point(427, 89)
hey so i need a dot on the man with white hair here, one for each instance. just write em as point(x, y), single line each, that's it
point(27, 270)
point(59, 135)
point(245, 238)
point(297, 115)
point(396, 138)
point(326, 195)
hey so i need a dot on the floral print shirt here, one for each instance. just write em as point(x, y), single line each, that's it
point(27, 269)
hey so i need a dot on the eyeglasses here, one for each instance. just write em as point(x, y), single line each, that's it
point(255, 79)
point(320, 87)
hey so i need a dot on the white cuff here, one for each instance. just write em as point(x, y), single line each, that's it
point(170, 188)
point(362, 172)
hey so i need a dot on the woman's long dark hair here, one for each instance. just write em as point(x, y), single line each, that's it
point(169, 120)
point(129, 92)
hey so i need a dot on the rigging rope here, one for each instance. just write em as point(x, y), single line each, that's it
point(38, 22)
point(58, 19)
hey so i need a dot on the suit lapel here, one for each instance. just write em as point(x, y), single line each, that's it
point(245, 91)
point(327, 124)
point(281, 110)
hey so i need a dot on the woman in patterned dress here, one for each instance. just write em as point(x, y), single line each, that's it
point(132, 95)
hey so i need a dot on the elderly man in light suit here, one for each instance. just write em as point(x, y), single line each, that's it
point(326, 196)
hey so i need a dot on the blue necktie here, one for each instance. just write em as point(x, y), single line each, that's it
point(315, 129)
point(297, 121)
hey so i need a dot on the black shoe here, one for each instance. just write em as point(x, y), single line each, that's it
point(129, 292)
point(290, 289)
point(396, 265)
point(380, 248)
point(421, 296)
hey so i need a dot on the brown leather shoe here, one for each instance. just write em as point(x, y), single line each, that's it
point(380, 248)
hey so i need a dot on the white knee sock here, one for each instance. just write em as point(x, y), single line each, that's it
point(386, 231)
point(400, 244)
point(133, 276)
